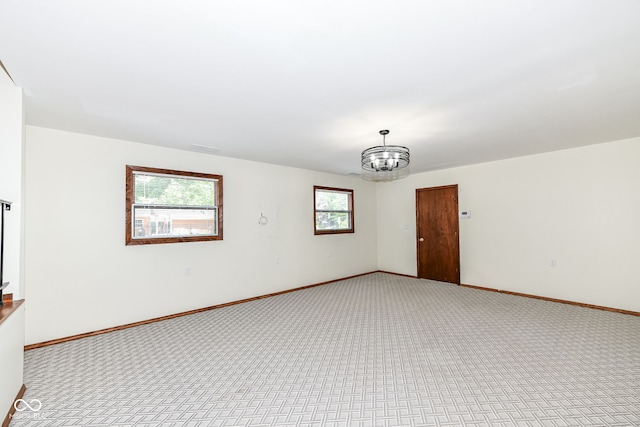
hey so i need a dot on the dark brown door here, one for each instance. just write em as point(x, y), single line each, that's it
point(437, 228)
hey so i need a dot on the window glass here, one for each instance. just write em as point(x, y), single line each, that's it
point(333, 210)
point(165, 206)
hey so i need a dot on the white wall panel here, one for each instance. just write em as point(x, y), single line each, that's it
point(579, 207)
point(81, 277)
point(11, 173)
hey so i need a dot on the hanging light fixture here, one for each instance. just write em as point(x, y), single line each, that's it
point(385, 162)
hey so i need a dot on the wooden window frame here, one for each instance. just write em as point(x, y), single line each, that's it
point(130, 199)
point(351, 211)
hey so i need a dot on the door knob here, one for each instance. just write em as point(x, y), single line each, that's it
point(421, 239)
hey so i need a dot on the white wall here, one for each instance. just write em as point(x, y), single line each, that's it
point(81, 277)
point(580, 207)
point(577, 206)
point(12, 329)
point(11, 132)
point(11, 358)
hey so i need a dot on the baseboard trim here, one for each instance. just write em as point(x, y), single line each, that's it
point(12, 410)
point(561, 301)
point(213, 307)
point(396, 274)
point(175, 315)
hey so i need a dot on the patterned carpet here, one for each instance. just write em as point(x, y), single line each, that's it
point(376, 350)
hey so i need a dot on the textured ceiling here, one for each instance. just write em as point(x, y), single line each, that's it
point(310, 84)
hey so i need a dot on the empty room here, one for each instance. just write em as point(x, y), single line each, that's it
point(365, 213)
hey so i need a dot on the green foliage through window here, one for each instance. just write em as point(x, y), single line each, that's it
point(168, 190)
point(333, 210)
point(165, 206)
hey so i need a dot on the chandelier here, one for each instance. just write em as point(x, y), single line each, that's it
point(384, 162)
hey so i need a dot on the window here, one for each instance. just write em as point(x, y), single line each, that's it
point(167, 206)
point(333, 210)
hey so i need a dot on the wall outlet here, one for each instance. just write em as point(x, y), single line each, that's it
point(552, 262)
point(187, 271)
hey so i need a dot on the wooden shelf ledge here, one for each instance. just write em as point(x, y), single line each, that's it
point(8, 308)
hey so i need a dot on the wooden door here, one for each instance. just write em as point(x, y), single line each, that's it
point(437, 229)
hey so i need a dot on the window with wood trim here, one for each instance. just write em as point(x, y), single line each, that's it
point(333, 210)
point(169, 206)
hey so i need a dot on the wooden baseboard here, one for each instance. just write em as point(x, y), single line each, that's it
point(561, 301)
point(213, 307)
point(175, 315)
point(12, 410)
point(396, 274)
